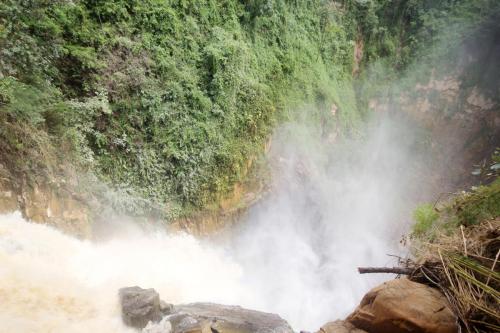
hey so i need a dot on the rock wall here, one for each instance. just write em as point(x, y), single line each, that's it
point(461, 128)
point(62, 204)
point(224, 215)
point(42, 202)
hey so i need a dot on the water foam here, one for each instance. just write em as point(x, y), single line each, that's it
point(51, 282)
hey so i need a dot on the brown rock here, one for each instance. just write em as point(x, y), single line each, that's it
point(403, 306)
point(340, 326)
point(43, 204)
point(8, 198)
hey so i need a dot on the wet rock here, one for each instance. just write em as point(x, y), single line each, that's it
point(215, 318)
point(163, 326)
point(139, 306)
point(403, 306)
point(339, 326)
point(166, 308)
point(183, 322)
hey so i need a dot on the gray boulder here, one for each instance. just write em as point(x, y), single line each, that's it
point(209, 318)
point(139, 306)
point(166, 308)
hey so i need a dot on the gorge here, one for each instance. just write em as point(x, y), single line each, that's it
point(250, 153)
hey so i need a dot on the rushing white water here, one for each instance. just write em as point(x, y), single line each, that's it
point(333, 208)
point(295, 254)
point(50, 282)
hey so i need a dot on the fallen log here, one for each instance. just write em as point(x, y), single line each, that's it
point(391, 270)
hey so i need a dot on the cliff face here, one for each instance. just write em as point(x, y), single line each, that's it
point(42, 202)
point(460, 128)
point(450, 95)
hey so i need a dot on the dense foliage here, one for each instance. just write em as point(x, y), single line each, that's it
point(409, 41)
point(170, 98)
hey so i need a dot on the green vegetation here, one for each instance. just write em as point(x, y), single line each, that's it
point(407, 42)
point(168, 99)
point(424, 215)
point(464, 209)
point(476, 206)
point(402, 31)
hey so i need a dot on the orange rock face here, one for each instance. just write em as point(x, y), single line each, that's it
point(340, 326)
point(403, 306)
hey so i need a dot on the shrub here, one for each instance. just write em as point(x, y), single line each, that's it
point(424, 215)
point(480, 204)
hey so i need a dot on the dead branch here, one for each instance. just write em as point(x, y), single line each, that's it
point(392, 270)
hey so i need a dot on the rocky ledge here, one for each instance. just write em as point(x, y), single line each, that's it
point(143, 309)
point(397, 306)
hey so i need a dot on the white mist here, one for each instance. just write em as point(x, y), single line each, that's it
point(332, 208)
